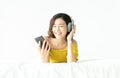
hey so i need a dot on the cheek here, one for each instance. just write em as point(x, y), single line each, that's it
point(65, 30)
point(53, 29)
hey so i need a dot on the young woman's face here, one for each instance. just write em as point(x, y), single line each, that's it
point(59, 28)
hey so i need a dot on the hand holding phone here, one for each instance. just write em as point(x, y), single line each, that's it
point(43, 48)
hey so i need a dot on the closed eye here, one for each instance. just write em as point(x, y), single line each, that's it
point(54, 26)
point(61, 26)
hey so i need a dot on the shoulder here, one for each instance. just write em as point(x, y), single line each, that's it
point(74, 42)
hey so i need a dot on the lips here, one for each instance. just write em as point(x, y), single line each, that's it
point(58, 34)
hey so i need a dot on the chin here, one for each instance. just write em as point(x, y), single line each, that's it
point(59, 37)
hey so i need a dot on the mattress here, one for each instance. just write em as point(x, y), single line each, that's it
point(102, 68)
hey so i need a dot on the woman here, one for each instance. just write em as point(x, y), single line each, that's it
point(59, 46)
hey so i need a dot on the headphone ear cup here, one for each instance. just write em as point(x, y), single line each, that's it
point(69, 26)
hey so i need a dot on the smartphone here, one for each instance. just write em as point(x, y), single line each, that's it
point(40, 38)
point(70, 24)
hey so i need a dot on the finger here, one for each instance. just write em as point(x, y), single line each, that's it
point(39, 42)
point(46, 46)
point(74, 29)
point(39, 45)
point(43, 46)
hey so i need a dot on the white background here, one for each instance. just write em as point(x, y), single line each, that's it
point(97, 22)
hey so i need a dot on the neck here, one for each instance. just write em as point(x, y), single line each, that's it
point(60, 41)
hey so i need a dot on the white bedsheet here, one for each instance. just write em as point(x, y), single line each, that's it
point(83, 69)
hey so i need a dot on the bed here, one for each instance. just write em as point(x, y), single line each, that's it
point(95, 68)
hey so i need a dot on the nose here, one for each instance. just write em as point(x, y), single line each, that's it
point(57, 29)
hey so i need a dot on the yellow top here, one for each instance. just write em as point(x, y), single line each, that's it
point(58, 56)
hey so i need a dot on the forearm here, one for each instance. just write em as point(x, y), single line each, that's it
point(70, 54)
